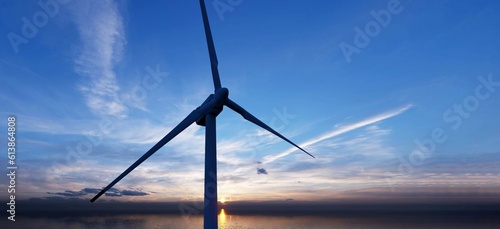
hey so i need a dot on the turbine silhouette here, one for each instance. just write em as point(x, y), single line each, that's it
point(204, 115)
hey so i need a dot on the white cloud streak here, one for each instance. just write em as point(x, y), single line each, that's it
point(339, 131)
point(100, 26)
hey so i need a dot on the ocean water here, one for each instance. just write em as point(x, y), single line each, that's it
point(152, 221)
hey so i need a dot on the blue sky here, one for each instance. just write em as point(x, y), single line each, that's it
point(398, 100)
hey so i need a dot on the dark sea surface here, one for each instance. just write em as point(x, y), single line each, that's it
point(140, 221)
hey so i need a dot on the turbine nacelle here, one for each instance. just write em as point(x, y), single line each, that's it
point(216, 102)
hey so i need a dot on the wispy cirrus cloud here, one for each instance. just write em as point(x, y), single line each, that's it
point(100, 26)
point(341, 130)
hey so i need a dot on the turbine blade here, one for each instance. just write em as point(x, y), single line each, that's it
point(192, 117)
point(211, 48)
point(256, 121)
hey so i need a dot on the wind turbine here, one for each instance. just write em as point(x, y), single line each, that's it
point(204, 115)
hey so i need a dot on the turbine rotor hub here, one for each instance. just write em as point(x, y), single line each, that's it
point(216, 101)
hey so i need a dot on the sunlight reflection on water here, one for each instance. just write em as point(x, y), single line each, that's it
point(222, 218)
